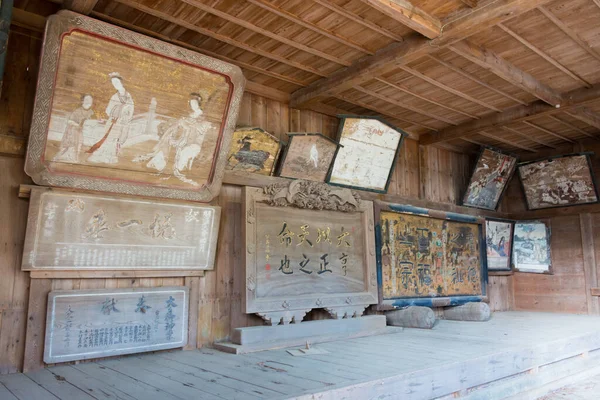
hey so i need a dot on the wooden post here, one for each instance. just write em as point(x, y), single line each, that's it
point(193, 283)
point(36, 324)
point(589, 262)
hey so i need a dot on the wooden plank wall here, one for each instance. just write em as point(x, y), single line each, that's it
point(421, 173)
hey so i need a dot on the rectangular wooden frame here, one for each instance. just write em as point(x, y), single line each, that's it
point(338, 138)
point(291, 136)
point(592, 174)
point(386, 304)
point(550, 270)
point(512, 230)
point(483, 148)
point(66, 21)
point(251, 304)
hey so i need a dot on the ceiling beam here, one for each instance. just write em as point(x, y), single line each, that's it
point(574, 98)
point(544, 55)
point(266, 91)
point(410, 15)
point(586, 115)
point(265, 5)
point(414, 47)
point(470, 3)
point(548, 131)
point(506, 141)
point(494, 63)
point(84, 7)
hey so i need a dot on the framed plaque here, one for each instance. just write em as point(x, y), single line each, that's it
point(307, 156)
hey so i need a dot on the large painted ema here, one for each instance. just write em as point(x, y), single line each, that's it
point(85, 324)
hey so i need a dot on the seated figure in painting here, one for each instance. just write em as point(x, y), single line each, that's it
point(120, 112)
point(186, 136)
point(72, 140)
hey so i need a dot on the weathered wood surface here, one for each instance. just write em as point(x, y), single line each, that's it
point(85, 324)
point(468, 312)
point(77, 231)
point(411, 317)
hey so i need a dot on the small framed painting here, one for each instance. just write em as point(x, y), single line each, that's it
point(253, 150)
point(531, 247)
point(490, 177)
point(558, 182)
point(367, 154)
point(498, 244)
point(308, 156)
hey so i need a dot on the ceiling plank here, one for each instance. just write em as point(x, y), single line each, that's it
point(410, 15)
point(494, 63)
point(414, 47)
point(264, 32)
point(297, 20)
point(366, 23)
point(573, 98)
point(506, 141)
point(448, 88)
point(544, 55)
point(470, 3)
point(476, 80)
point(586, 115)
point(84, 7)
point(573, 127)
point(528, 137)
point(548, 131)
point(570, 32)
point(215, 35)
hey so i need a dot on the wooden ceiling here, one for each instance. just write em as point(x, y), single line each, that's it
point(519, 75)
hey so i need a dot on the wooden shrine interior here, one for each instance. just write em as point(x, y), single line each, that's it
point(521, 76)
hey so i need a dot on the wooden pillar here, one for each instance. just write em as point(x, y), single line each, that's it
point(36, 324)
point(589, 262)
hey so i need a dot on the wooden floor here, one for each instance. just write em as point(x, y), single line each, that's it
point(452, 360)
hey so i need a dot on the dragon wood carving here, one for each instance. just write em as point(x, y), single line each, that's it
point(312, 195)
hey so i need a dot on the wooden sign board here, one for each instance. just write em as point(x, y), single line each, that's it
point(79, 231)
point(429, 258)
point(121, 112)
point(84, 324)
point(253, 150)
point(299, 259)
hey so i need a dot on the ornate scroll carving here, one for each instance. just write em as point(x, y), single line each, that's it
point(312, 195)
point(346, 311)
point(284, 317)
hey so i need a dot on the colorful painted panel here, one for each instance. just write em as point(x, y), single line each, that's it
point(498, 244)
point(367, 154)
point(308, 156)
point(84, 324)
point(558, 182)
point(78, 231)
point(253, 150)
point(490, 177)
point(122, 112)
point(429, 257)
point(531, 247)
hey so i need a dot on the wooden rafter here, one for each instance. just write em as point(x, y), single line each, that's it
point(404, 105)
point(404, 89)
point(548, 131)
point(366, 23)
point(489, 60)
point(80, 6)
point(474, 79)
point(215, 35)
point(471, 140)
point(448, 88)
point(414, 47)
point(570, 32)
point(296, 19)
point(506, 141)
point(586, 115)
point(470, 3)
point(544, 55)
point(538, 108)
point(410, 15)
point(571, 126)
point(528, 137)
point(243, 23)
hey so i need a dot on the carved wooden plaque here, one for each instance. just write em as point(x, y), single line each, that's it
point(84, 324)
point(79, 231)
point(298, 258)
point(121, 112)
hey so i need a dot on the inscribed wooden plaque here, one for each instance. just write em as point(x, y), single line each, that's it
point(531, 247)
point(253, 150)
point(79, 231)
point(367, 154)
point(498, 244)
point(299, 259)
point(426, 255)
point(122, 112)
point(558, 182)
point(490, 177)
point(84, 324)
point(308, 156)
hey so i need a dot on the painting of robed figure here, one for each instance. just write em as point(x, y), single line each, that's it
point(130, 114)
